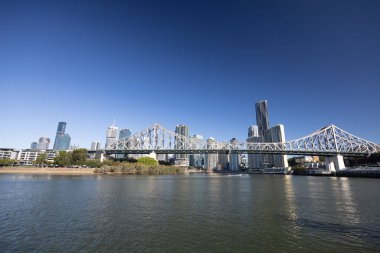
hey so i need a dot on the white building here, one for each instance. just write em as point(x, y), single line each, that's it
point(8, 153)
point(211, 160)
point(111, 136)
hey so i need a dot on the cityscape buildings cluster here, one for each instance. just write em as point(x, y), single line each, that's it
point(259, 133)
point(61, 142)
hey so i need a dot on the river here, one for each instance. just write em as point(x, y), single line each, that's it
point(189, 213)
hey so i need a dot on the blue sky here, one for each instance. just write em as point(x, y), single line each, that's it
point(200, 63)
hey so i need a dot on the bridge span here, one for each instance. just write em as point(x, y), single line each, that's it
point(327, 141)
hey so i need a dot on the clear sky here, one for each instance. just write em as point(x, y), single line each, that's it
point(199, 63)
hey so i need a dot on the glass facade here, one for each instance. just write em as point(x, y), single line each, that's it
point(262, 117)
point(124, 133)
point(62, 140)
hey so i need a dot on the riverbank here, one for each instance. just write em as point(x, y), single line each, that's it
point(46, 170)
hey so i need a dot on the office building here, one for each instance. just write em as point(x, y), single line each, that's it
point(262, 116)
point(211, 160)
point(234, 158)
point(62, 140)
point(95, 145)
point(124, 133)
point(43, 143)
point(111, 136)
point(33, 146)
point(180, 144)
point(197, 160)
point(254, 160)
point(265, 134)
point(277, 134)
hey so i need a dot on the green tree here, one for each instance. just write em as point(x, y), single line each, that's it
point(147, 161)
point(6, 162)
point(63, 158)
point(79, 156)
point(41, 158)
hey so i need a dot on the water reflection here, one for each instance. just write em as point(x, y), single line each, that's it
point(290, 207)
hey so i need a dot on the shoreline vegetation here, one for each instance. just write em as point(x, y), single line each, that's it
point(77, 163)
point(142, 166)
point(122, 169)
point(139, 169)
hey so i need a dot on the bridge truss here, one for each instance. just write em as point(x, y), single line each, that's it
point(328, 141)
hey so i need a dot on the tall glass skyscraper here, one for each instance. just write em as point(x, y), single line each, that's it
point(62, 140)
point(262, 117)
point(265, 134)
point(33, 146)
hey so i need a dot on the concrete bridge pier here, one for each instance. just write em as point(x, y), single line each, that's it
point(335, 163)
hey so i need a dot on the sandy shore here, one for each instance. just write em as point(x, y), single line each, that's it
point(55, 171)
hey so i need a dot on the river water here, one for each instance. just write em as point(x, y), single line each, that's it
point(189, 213)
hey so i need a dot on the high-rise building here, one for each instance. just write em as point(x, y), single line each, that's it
point(33, 146)
point(43, 143)
point(124, 133)
point(254, 160)
point(111, 136)
point(265, 134)
point(262, 116)
point(197, 160)
point(95, 145)
point(253, 131)
point(277, 134)
point(234, 157)
point(62, 140)
point(211, 160)
point(179, 144)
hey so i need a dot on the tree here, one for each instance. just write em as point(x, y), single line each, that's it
point(63, 158)
point(79, 156)
point(41, 158)
point(147, 161)
point(6, 162)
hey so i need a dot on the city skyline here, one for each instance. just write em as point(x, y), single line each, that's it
point(203, 64)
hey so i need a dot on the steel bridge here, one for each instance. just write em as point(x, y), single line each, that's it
point(327, 141)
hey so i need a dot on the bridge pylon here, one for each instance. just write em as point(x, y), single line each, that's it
point(335, 163)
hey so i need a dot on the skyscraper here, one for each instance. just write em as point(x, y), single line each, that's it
point(234, 158)
point(111, 136)
point(62, 140)
point(211, 160)
point(254, 160)
point(265, 134)
point(277, 134)
point(95, 145)
point(196, 160)
point(43, 143)
point(124, 133)
point(179, 144)
point(262, 117)
point(33, 146)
